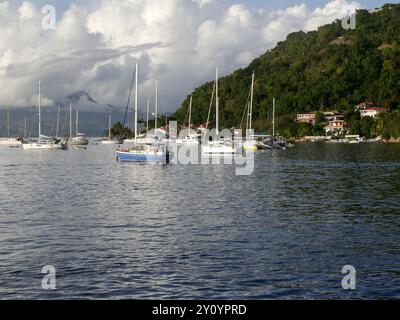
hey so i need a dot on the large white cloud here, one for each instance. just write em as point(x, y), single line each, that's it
point(179, 42)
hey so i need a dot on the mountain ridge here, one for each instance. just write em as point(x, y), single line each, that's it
point(85, 102)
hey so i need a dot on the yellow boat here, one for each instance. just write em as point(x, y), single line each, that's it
point(250, 145)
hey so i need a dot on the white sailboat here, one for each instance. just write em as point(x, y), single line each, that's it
point(80, 138)
point(11, 142)
point(189, 138)
point(250, 144)
point(44, 143)
point(150, 153)
point(109, 140)
point(218, 146)
point(148, 138)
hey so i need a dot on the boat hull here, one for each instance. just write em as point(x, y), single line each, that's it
point(78, 142)
point(218, 149)
point(43, 146)
point(142, 158)
point(109, 142)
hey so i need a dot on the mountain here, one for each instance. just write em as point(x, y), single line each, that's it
point(331, 68)
point(85, 102)
point(93, 117)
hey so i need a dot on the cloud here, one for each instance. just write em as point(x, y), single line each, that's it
point(333, 10)
point(177, 41)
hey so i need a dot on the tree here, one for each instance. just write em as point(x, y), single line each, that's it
point(320, 70)
point(319, 118)
point(304, 129)
point(117, 129)
point(366, 126)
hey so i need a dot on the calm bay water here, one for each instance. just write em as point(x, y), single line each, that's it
point(128, 231)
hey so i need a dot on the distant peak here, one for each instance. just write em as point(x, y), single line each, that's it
point(77, 96)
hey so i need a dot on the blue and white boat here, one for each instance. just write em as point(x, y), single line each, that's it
point(155, 152)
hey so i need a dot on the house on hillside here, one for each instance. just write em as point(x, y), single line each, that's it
point(365, 105)
point(370, 109)
point(333, 116)
point(306, 117)
point(336, 127)
point(372, 112)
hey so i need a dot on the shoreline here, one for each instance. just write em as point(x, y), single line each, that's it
point(390, 141)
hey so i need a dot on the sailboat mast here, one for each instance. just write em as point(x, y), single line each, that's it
point(247, 119)
point(70, 120)
point(190, 113)
point(217, 101)
point(58, 122)
point(136, 100)
point(109, 127)
point(8, 122)
point(147, 120)
point(77, 122)
point(25, 128)
point(156, 111)
point(40, 113)
point(251, 103)
point(273, 118)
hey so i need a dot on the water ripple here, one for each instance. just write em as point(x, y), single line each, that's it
point(133, 232)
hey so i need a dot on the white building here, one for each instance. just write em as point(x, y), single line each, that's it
point(372, 112)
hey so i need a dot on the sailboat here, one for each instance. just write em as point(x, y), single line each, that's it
point(150, 153)
point(190, 138)
point(148, 138)
point(160, 136)
point(11, 142)
point(109, 140)
point(80, 138)
point(274, 142)
point(250, 144)
point(44, 143)
point(218, 146)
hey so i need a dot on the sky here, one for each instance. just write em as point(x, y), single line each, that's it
point(180, 42)
point(270, 4)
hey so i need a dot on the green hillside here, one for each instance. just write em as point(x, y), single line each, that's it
point(331, 68)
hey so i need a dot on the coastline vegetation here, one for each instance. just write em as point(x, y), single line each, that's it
point(327, 69)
